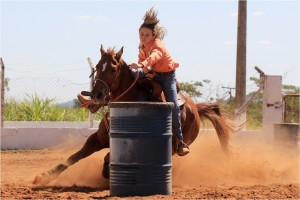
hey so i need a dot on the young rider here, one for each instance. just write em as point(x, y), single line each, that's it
point(153, 54)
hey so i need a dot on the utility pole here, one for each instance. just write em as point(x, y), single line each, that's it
point(240, 84)
point(2, 93)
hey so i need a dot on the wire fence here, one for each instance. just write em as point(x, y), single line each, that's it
point(48, 100)
point(61, 90)
point(64, 93)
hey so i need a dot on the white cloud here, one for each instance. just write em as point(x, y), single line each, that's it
point(82, 17)
point(230, 42)
point(264, 42)
point(257, 13)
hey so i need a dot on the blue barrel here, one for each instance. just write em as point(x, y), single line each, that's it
point(140, 148)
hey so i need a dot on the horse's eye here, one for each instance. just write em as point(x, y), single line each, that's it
point(114, 69)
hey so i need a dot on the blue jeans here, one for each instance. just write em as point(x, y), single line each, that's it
point(168, 84)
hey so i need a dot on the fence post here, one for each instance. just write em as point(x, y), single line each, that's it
point(2, 93)
point(92, 81)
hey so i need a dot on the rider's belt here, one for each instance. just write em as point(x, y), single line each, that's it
point(164, 73)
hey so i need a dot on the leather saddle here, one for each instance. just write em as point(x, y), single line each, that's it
point(155, 93)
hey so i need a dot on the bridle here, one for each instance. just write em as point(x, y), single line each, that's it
point(108, 89)
point(114, 85)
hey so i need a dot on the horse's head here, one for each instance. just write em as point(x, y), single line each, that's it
point(107, 77)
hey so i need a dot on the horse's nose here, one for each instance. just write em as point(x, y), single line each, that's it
point(99, 95)
point(86, 93)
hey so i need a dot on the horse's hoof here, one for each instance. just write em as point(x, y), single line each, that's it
point(42, 180)
point(61, 167)
point(45, 178)
point(37, 179)
point(105, 171)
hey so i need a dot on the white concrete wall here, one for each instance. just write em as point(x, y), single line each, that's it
point(40, 135)
point(41, 138)
point(48, 124)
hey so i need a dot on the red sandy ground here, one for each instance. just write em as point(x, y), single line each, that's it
point(254, 171)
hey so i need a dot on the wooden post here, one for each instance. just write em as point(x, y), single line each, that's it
point(240, 84)
point(2, 93)
point(240, 91)
point(92, 81)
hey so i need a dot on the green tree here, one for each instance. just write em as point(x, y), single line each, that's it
point(291, 103)
point(290, 89)
point(6, 88)
point(200, 90)
point(192, 88)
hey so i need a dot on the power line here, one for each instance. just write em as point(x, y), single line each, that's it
point(229, 88)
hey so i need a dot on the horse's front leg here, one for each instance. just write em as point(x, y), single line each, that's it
point(95, 142)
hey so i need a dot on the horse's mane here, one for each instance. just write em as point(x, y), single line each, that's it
point(111, 51)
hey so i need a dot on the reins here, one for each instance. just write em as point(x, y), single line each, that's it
point(93, 73)
point(135, 80)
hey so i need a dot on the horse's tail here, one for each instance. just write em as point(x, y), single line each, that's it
point(223, 125)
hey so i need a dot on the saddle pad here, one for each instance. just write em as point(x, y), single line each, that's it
point(181, 99)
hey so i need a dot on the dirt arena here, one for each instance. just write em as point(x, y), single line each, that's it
point(255, 170)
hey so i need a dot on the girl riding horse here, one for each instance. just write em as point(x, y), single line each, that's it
point(154, 56)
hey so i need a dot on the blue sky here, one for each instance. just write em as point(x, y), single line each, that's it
point(54, 38)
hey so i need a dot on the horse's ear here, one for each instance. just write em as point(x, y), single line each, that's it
point(102, 50)
point(119, 54)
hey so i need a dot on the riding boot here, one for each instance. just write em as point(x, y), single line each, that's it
point(89, 104)
point(183, 149)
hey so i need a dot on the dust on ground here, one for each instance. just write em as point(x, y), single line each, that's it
point(254, 170)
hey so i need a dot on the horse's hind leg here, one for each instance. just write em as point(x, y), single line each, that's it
point(105, 171)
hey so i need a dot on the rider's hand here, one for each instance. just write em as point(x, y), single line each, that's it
point(149, 75)
point(136, 65)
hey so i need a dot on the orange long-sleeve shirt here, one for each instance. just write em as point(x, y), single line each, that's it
point(157, 57)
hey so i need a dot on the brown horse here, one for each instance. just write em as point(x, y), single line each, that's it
point(115, 82)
